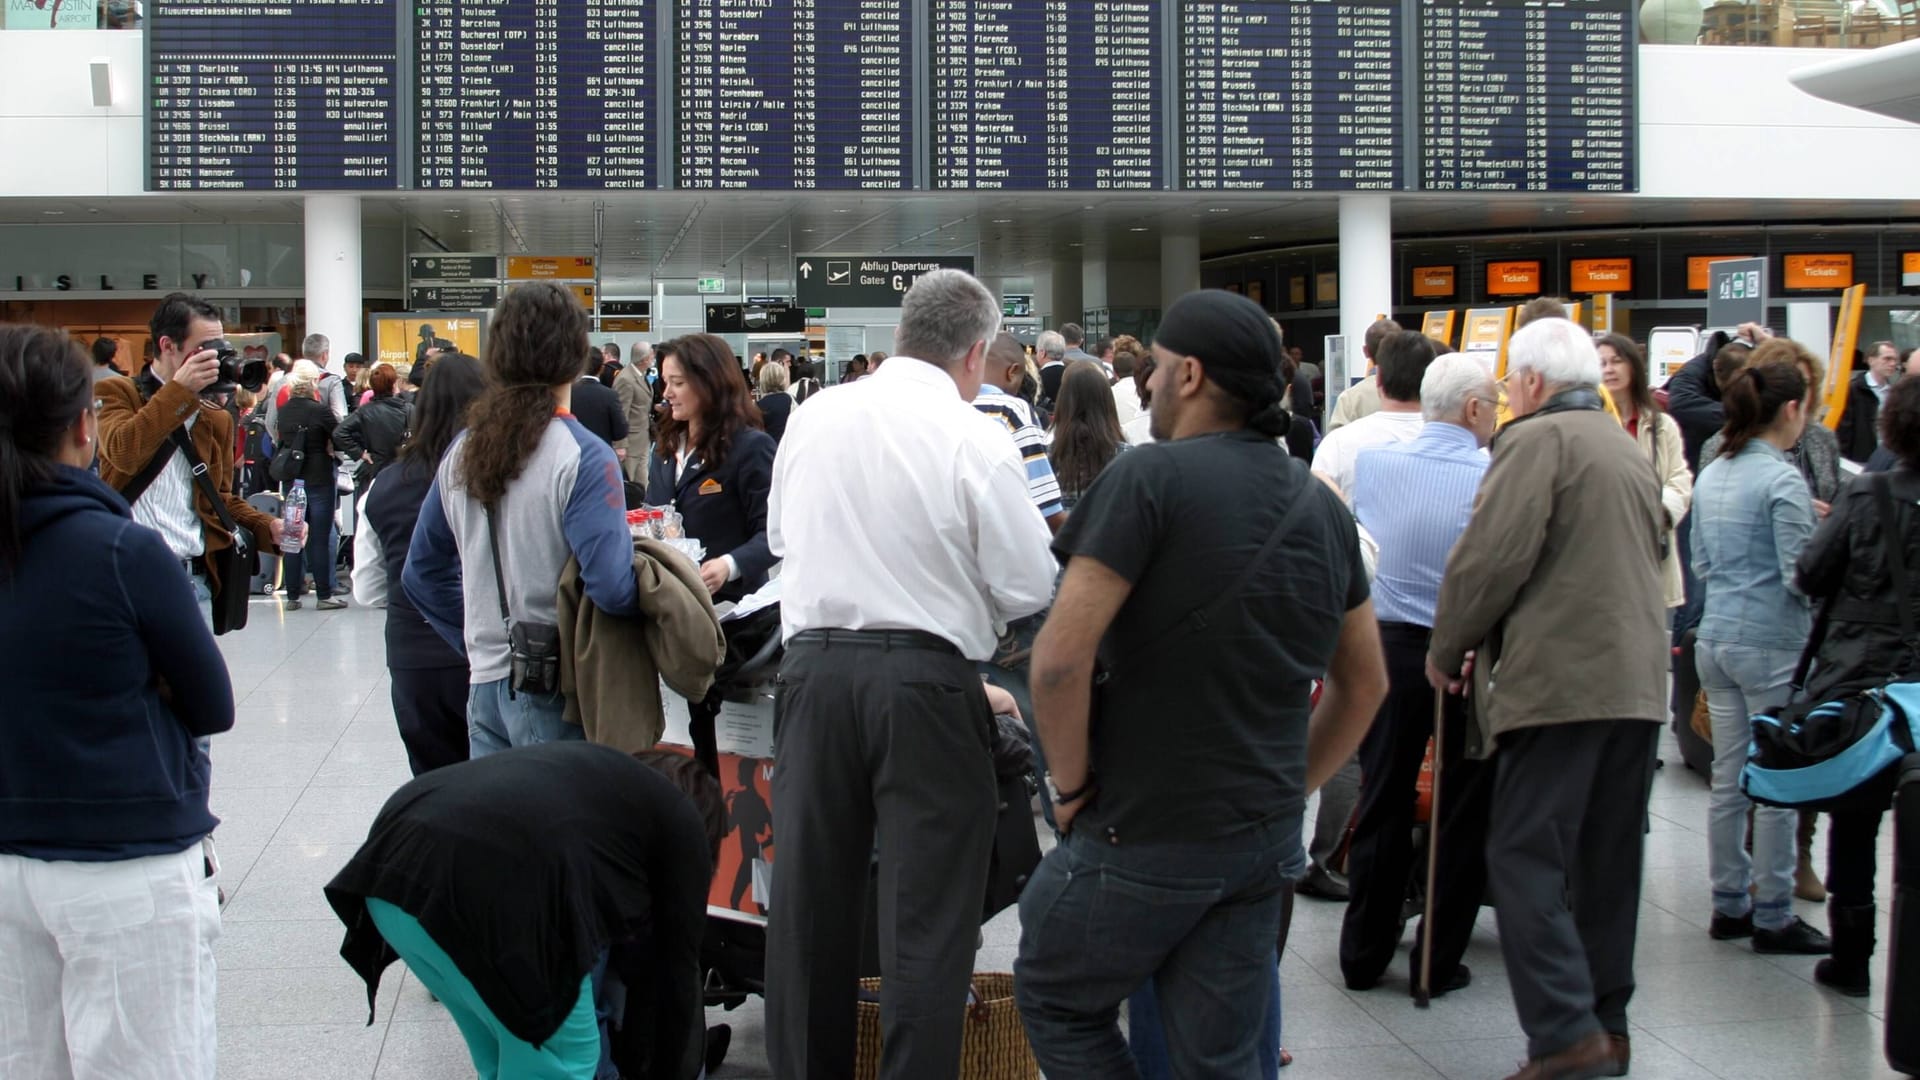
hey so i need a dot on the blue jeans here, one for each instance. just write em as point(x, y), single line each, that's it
point(1198, 919)
point(1741, 682)
point(317, 553)
point(498, 720)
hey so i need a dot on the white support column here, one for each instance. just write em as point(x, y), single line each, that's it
point(1179, 267)
point(333, 274)
point(1366, 277)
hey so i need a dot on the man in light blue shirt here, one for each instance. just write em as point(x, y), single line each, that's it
point(1415, 498)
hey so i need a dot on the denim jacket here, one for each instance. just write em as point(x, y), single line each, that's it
point(1751, 517)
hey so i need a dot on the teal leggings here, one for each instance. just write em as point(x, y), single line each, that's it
point(572, 1054)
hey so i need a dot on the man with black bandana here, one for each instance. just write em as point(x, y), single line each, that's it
point(1210, 579)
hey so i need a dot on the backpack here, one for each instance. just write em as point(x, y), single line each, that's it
point(256, 435)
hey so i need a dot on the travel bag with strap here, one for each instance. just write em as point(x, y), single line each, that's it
point(232, 567)
point(1841, 753)
point(535, 647)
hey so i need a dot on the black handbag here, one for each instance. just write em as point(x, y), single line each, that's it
point(289, 461)
point(535, 647)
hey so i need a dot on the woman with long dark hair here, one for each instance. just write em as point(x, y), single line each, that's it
point(521, 491)
point(713, 462)
point(108, 899)
point(429, 677)
point(1752, 518)
point(1086, 430)
point(1623, 374)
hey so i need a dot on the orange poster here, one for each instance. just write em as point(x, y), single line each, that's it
point(1910, 269)
point(1830, 272)
point(1326, 287)
point(1600, 276)
point(1697, 273)
point(1513, 278)
point(554, 267)
point(1432, 282)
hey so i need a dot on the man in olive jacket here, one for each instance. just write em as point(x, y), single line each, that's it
point(1552, 605)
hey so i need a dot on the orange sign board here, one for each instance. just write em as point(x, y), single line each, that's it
point(1697, 273)
point(1513, 278)
point(1432, 282)
point(1831, 272)
point(1600, 276)
point(626, 326)
point(1486, 329)
point(582, 293)
point(1910, 269)
point(550, 267)
point(1326, 287)
point(1297, 291)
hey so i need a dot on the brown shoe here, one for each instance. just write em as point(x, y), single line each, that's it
point(1592, 1056)
point(1622, 1053)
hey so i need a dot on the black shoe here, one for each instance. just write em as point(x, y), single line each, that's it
point(1461, 978)
point(1796, 938)
point(1323, 884)
point(1833, 975)
point(719, 1039)
point(1731, 927)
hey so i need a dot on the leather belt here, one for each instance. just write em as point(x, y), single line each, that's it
point(875, 639)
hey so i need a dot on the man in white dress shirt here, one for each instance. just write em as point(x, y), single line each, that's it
point(896, 583)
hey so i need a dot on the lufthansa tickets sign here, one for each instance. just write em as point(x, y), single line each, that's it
point(865, 281)
point(1514, 278)
point(1600, 276)
point(1826, 273)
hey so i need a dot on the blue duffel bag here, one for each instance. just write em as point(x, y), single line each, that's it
point(1844, 752)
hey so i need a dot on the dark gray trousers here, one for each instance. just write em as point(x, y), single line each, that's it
point(1564, 849)
point(893, 740)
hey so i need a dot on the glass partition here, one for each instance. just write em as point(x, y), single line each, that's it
point(1813, 24)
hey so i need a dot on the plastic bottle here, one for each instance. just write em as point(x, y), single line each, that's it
point(294, 516)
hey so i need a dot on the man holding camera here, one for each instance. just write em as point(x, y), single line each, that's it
point(138, 418)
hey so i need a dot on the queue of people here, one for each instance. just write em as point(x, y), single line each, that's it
point(1490, 564)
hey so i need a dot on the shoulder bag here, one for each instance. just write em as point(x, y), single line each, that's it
point(535, 647)
point(232, 567)
point(289, 458)
point(1841, 753)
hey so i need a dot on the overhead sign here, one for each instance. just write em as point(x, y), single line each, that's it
point(1698, 276)
point(1432, 282)
point(1736, 292)
point(866, 281)
point(1326, 287)
point(452, 297)
point(710, 285)
point(756, 319)
point(1828, 273)
point(1016, 305)
point(628, 309)
point(1600, 276)
point(1910, 269)
point(550, 267)
point(1513, 278)
point(453, 267)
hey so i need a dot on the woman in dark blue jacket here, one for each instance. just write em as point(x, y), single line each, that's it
point(108, 901)
point(714, 463)
point(429, 679)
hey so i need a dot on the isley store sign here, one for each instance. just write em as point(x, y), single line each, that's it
point(67, 282)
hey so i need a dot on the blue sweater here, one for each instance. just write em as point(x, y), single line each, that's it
point(97, 762)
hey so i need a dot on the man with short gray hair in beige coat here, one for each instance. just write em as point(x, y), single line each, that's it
point(1553, 606)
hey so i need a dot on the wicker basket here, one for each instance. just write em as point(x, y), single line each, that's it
point(994, 1046)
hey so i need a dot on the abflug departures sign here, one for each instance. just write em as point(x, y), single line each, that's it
point(865, 281)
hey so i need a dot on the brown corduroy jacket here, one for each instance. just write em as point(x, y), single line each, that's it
point(134, 427)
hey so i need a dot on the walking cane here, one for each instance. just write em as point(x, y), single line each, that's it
point(1423, 994)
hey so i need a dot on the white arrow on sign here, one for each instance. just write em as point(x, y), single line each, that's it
point(806, 269)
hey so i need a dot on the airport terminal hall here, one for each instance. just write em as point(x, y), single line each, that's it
point(960, 539)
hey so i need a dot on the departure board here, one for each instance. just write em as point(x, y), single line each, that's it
point(795, 94)
point(534, 94)
point(1047, 94)
point(1292, 95)
point(262, 96)
point(1527, 95)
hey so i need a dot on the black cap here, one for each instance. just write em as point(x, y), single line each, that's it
point(1235, 342)
point(425, 331)
point(353, 358)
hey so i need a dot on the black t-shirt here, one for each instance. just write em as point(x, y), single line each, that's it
point(1199, 735)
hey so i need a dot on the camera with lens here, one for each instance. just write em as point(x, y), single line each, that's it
point(235, 370)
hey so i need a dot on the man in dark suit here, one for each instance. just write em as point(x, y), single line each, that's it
point(597, 407)
point(1859, 425)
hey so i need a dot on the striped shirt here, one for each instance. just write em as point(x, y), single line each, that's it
point(1014, 411)
point(167, 506)
point(1415, 499)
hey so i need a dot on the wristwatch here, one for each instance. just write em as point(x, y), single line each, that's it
point(1062, 798)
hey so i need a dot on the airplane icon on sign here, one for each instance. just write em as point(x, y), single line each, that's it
point(839, 273)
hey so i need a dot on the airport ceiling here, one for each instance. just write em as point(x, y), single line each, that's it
point(753, 236)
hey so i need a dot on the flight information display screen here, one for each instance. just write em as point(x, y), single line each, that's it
point(1292, 95)
point(795, 94)
point(535, 94)
point(1527, 95)
point(1047, 94)
point(252, 96)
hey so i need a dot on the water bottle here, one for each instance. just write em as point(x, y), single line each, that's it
point(294, 516)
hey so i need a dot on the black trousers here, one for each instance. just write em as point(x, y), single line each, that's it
point(890, 740)
point(1564, 852)
point(1853, 855)
point(430, 708)
point(1380, 863)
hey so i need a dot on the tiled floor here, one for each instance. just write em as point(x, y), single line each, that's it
point(314, 754)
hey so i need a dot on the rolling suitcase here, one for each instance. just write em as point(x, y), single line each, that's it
point(1903, 943)
point(268, 577)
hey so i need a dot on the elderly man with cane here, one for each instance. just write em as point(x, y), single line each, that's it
point(1416, 498)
